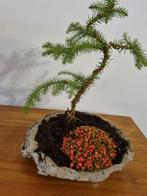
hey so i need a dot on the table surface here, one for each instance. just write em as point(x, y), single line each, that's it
point(18, 175)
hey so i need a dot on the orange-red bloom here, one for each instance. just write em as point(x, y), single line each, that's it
point(90, 149)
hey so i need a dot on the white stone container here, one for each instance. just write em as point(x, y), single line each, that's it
point(46, 166)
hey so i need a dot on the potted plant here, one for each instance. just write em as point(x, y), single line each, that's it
point(73, 144)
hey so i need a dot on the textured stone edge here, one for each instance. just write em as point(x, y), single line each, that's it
point(46, 166)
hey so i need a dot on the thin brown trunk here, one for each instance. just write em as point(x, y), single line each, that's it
point(90, 80)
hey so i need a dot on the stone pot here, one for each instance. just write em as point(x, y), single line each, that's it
point(46, 166)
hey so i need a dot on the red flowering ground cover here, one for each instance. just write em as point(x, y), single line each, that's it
point(89, 149)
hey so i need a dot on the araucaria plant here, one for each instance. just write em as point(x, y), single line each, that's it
point(77, 145)
point(85, 38)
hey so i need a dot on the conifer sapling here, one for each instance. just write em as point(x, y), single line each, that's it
point(81, 39)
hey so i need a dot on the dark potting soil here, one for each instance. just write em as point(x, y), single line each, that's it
point(50, 135)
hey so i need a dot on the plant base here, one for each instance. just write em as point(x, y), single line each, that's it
point(46, 165)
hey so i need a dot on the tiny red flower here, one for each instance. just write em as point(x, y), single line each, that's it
point(92, 148)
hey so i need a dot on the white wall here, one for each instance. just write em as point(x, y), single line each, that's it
point(25, 25)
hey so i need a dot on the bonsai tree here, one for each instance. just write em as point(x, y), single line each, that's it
point(76, 140)
point(85, 38)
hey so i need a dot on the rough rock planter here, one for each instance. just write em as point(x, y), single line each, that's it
point(36, 145)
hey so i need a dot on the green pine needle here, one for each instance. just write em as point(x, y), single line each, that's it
point(67, 53)
point(79, 32)
point(57, 86)
point(105, 12)
point(42, 88)
point(134, 47)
